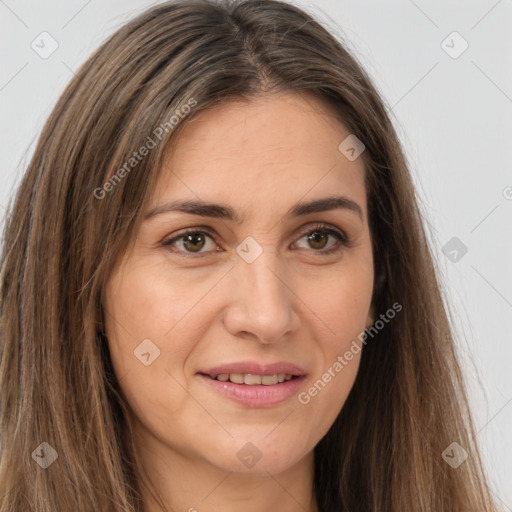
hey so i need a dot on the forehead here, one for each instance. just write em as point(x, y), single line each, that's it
point(262, 154)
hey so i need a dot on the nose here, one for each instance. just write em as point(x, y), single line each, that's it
point(262, 304)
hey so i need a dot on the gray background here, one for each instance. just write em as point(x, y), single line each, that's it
point(453, 115)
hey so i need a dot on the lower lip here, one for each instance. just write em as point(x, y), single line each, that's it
point(259, 395)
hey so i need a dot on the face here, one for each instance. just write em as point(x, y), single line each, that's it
point(261, 287)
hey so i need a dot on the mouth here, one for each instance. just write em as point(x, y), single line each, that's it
point(250, 379)
point(255, 385)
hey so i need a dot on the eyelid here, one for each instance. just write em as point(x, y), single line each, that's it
point(328, 228)
point(341, 236)
point(168, 241)
point(344, 242)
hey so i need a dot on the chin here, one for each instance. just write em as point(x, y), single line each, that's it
point(258, 456)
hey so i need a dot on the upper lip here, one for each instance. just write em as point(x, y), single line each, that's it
point(255, 368)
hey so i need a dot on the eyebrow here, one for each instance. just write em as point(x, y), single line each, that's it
point(220, 211)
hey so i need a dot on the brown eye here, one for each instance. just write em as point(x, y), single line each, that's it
point(194, 242)
point(190, 242)
point(318, 239)
point(324, 240)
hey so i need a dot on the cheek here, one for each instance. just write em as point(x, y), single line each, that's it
point(339, 305)
point(325, 395)
point(152, 325)
point(141, 305)
point(340, 308)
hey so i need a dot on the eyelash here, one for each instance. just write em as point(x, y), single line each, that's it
point(343, 241)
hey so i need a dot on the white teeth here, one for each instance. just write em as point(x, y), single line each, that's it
point(254, 380)
point(268, 380)
point(237, 378)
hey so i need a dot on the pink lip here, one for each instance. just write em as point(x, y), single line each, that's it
point(255, 369)
point(259, 395)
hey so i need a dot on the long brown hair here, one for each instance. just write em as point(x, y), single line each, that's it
point(76, 212)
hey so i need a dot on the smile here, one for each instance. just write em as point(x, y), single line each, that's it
point(253, 380)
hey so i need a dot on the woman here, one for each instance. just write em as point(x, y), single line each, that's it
point(216, 288)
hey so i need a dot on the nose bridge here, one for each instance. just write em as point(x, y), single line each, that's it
point(262, 303)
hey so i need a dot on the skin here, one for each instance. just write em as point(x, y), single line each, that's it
point(292, 304)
